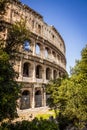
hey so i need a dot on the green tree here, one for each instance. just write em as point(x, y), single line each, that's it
point(52, 89)
point(17, 34)
point(81, 65)
point(32, 125)
point(9, 88)
point(73, 92)
point(71, 95)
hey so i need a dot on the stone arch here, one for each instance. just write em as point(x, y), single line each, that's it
point(39, 28)
point(27, 45)
point(47, 52)
point(54, 55)
point(39, 71)
point(48, 73)
point(25, 100)
point(59, 58)
point(38, 98)
point(27, 69)
point(60, 74)
point(39, 49)
point(54, 74)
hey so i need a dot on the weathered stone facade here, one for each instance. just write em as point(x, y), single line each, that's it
point(41, 59)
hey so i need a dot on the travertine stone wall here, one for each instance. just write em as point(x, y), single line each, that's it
point(45, 59)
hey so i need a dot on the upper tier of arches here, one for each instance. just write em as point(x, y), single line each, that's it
point(35, 23)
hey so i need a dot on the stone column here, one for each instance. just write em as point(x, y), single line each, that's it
point(44, 96)
point(20, 67)
point(34, 72)
point(44, 73)
point(51, 55)
point(43, 52)
point(33, 97)
point(52, 74)
point(34, 44)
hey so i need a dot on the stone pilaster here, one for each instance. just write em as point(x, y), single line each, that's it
point(33, 97)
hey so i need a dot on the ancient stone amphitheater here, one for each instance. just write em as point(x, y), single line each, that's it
point(42, 57)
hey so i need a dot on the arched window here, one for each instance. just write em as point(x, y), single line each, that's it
point(48, 74)
point(26, 45)
point(60, 45)
point(58, 57)
point(54, 74)
point(46, 52)
point(27, 69)
point(38, 99)
point(39, 29)
point(37, 49)
point(25, 100)
point(60, 74)
point(54, 55)
point(38, 71)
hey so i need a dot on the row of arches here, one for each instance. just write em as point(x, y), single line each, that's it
point(46, 52)
point(37, 27)
point(39, 71)
point(25, 102)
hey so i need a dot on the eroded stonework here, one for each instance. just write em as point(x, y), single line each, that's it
point(42, 58)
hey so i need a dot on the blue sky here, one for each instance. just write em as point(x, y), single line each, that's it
point(70, 19)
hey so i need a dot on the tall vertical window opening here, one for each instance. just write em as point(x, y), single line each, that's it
point(38, 71)
point(37, 49)
point(26, 69)
point(48, 74)
point(26, 45)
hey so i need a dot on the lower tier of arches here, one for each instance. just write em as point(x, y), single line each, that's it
point(33, 96)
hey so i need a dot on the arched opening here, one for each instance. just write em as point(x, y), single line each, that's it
point(47, 52)
point(39, 71)
point(54, 74)
point(27, 45)
point(48, 73)
point(38, 49)
point(60, 74)
point(54, 55)
point(39, 29)
point(26, 69)
point(38, 99)
point(25, 100)
point(58, 57)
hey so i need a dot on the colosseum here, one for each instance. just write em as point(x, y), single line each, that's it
point(42, 57)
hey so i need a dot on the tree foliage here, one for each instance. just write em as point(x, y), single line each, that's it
point(3, 6)
point(9, 88)
point(17, 34)
point(35, 124)
point(52, 89)
point(71, 94)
